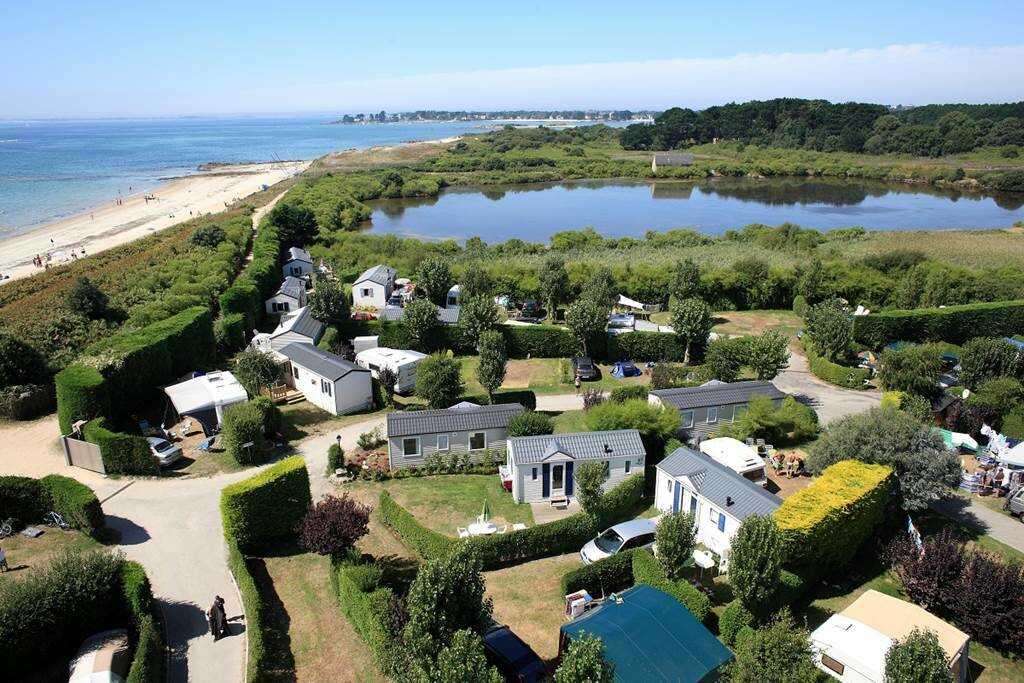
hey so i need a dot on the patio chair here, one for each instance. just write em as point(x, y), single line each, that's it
point(463, 532)
point(518, 526)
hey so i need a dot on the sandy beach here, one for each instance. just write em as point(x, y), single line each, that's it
point(113, 224)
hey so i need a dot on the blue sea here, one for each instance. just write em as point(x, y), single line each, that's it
point(52, 169)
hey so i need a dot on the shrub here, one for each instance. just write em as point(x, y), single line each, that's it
point(824, 524)
point(366, 577)
point(584, 662)
point(833, 373)
point(266, 506)
point(725, 358)
point(81, 395)
point(755, 561)
point(918, 658)
point(270, 414)
point(121, 453)
point(20, 363)
point(647, 570)
point(26, 401)
point(590, 477)
point(734, 617)
point(829, 329)
point(242, 425)
point(74, 501)
point(229, 333)
point(670, 376)
point(655, 423)
point(623, 394)
point(439, 381)
point(367, 611)
point(911, 369)
point(676, 537)
point(22, 498)
point(800, 305)
point(658, 347)
point(778, 652)
point(607, 575)
point(987, 358)
point(530, 423)
point(333, 525)
point(539, 341)
point(256, 370)
point(335, 458)
point(954, 324)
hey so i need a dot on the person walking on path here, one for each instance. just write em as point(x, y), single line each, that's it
point(218, 618)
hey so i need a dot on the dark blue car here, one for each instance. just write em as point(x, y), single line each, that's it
point(513, 658)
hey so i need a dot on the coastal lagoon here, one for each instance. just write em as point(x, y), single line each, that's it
point(618, 208)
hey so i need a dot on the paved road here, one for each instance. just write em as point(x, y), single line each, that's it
point(829, 401)
point(1003, 528)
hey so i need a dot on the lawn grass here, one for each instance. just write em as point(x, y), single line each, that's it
point(25, 555)
point(570, 421)
point(528, 598)
point(311, 638)
point(449, 501)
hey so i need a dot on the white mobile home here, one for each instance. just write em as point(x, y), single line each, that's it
point(445, 316)
point(373, 287)
point(542, 467)
point(401, 362)
point(464, 428)
point(290, 296)
point(326, 380)
point(297, 326)
point(717, 497)
point(702, 409)
point(737, 456)
point(298, 263)
point(205, 398)
point(851, 646)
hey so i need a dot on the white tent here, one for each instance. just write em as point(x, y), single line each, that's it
point(626, 302)
point(206, 396)
point(1013, 457)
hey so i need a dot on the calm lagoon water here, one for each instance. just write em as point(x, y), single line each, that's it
point(629, 208)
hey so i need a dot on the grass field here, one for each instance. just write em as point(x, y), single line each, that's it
point(24, 555)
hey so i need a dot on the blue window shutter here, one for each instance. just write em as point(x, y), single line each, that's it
point(693, 504)
point(568, 478)
point(721, 522)
point(546, 480)
point(676, 494)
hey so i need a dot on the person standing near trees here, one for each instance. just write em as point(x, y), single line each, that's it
point(576, 382)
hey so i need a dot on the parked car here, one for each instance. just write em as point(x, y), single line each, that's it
point(531, 309)
point(164, 451)
point(513, 658)
point(1014, 503)
point(637, 533)
point(585, 368)
point(103, 658)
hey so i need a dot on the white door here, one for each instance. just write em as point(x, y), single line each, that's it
point(558, 481)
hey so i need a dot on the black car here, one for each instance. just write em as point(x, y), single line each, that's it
point(584, 367)
point(513, 658)
point(531, 309)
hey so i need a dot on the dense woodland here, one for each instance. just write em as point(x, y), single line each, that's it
point(932, 130)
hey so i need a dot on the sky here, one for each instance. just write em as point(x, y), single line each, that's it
point(87, 58)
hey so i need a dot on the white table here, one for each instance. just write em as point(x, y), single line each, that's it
point(482, 529)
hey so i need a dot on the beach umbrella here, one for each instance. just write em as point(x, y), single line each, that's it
point(485, 514)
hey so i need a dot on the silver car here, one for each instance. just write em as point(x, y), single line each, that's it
point(163, 450)
point(636, 533)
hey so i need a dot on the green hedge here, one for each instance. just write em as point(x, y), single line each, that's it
point(229, 333)
point(646, 346)
point(734, 618)
point(256, 613)
point(524, 397)
point(74, 501)
point(148, 661)
point(243, 424)
point(23, 498)
point(26, 401)
point(122, 453)
point(647, 570)
point(608, 575)
point(267, 506)
point(954, 324)
point(539, 341)
point(824, 524)
point(833, 373)
point(365, 612)
point(541, 540)
point(81, 395)
point(628, 392)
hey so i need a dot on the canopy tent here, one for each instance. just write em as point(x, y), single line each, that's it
point(957, 440)
point(626, 302)
point(625, 369)
point(650, 636)
point(205, 398)
point(1013, 457)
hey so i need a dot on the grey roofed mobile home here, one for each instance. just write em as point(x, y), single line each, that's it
point(446, 316)
point(542, 467)
point(380, 274)
point(703, 408)
point(321, 362)
point(292, 287)
point(464, 428)
point(671, 159)
point(730, 491)
point(298, 254)
point(326, 380)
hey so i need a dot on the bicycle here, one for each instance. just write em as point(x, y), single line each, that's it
point(55, 519)
point(8, 526)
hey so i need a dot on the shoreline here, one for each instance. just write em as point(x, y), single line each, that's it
point(172, 201)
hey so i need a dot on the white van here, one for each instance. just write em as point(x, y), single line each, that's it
point(401, 362)
point(737, 456)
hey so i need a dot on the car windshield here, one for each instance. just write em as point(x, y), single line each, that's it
point(584, 363)
point(163, 446)
point(609, 541)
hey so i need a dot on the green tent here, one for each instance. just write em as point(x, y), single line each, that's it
point(650, 636)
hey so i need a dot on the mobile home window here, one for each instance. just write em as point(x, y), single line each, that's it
point(366, 292)
point(712, 414)
point(477, 441)
point(533, 475)
point(668, 485)
point(295, 371)
point(410, 447)
point(442, 442)
point(325, 386)
point(687, 417)
point(725, 413)
point(627, 467)
point(721, 522)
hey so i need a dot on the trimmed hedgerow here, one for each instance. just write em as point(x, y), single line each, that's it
point(607, 575)
point(148, 661)
point(23, 498)
point(81, 395)
point(954, 324)
point(243, 424)
point(833, 373)
point(74, 501)
point(824, 524)
point(523, 397)
point(539, 341)
point(256, 613)
point(121, 453)
point(626, 393)
point(733, 619)
point(366, 611)
point(513, 547)
point(647, 570)
point(267, 506)
point(646, 346)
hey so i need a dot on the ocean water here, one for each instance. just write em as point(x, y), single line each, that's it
point(52, 169)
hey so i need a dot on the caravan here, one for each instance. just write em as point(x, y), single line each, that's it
point(402, 363)
point(737, 456)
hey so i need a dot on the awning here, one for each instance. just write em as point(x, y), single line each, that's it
point(630, 303)
point(205, 397)
point(957, 440)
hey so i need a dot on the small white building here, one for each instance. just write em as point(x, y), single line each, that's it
point(327, 380)
point(542, 467)
point(737, 456)
point(205, 398)
point(373, 288)
point(851, 646)
point(454, 297)
point(401, 362)
point(297, 326)
point(298, 263)
point(717, 497)
point(291, 295)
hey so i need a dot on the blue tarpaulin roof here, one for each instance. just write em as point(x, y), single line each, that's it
point(650, 636)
